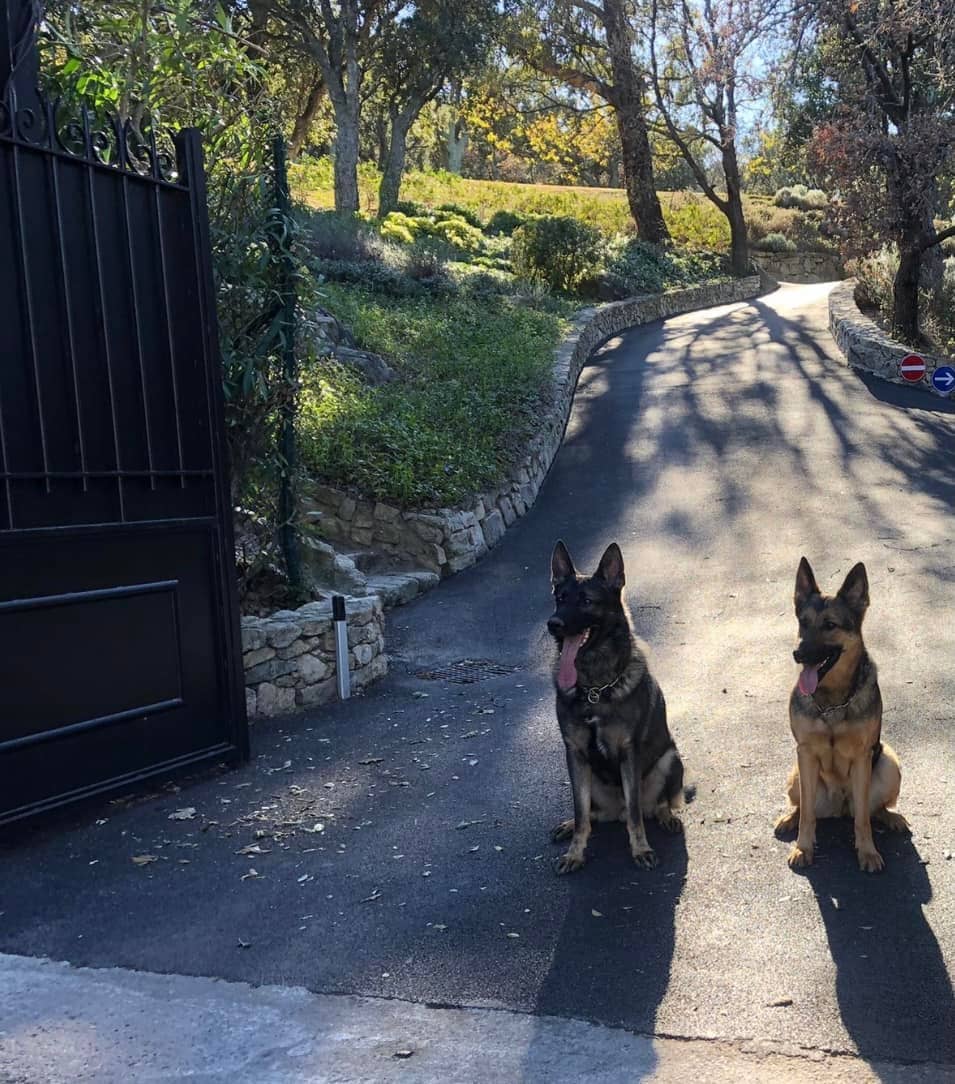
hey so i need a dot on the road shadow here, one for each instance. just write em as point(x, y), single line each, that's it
point(881, 943)
point(613, 953)
point(899, 395)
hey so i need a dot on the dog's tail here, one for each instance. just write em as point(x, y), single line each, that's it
point(676, 788)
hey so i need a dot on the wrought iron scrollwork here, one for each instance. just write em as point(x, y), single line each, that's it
point(55, 124)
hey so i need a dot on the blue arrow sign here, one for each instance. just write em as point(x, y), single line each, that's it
point(943, 379)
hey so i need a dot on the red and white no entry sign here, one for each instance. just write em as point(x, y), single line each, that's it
point(912, 368)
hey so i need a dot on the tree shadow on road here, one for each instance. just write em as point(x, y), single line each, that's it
point(613, 953)
point(881, 943)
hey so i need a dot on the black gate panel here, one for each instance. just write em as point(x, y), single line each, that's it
point(119, 642)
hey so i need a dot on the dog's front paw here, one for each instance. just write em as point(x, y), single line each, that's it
point(870, 861)
point(645, 859)
point(572, 861)
point(787, 823)
point(799, 857)
point(564, 830)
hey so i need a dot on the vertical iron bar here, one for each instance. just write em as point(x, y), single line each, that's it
point(230, 673)
point(28, 298)
point(107, 352)
point(68, 311)
point(134, 300)
point(287, 502)
point(167, 317)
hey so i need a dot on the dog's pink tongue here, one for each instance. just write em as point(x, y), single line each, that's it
point(808, 680)
point(567, 671)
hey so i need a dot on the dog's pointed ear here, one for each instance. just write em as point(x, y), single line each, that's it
point(610, 569)
point(855, 591)
point(805, 584)
point(561, 564)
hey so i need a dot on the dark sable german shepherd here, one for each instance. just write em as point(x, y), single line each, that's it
point(623, 763)
point(835, 711)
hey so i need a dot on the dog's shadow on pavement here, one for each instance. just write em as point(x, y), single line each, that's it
point(893, 988)
point(612, 957)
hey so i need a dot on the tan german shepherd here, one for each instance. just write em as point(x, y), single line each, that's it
point(835, 711)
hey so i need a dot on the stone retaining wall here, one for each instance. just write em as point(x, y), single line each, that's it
point(802, 267)
point(867, 347)
point(289, 657)
point(446, 540)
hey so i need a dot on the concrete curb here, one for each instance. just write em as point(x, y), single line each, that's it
point(867, 347)
point(67, 1025)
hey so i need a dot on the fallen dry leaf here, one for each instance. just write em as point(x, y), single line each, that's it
point(251, 873)
point(254, 848)
point(596, 914)
point(144, 859)
point(185, 814)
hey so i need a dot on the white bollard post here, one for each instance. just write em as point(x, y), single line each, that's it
point(341, 646)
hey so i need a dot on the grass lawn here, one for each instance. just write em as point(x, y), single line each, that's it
point(475, 373)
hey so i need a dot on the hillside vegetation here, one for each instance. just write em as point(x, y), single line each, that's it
point(693, 221)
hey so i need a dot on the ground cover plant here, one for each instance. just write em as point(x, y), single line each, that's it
point(474, 373)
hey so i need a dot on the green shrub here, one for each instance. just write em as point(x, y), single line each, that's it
point(410, 208)
point(774, 242)
point(427, 260)
point(334, 236)
point(558, 251)
point(505, 222)
point(805, 199)
point(399, 227)
point(636, 267)
point(458, 210)
point(457, 232)
point(381, 278)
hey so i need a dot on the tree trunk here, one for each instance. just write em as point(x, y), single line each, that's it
point(303, 122)
point(739, 240)
point(457, 144)
point(390, 187)
point(346, 153)
point(628, 105)
point(905, 295)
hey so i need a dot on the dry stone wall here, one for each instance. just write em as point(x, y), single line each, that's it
point(446, 540)
point(866, 346)
point(804, 267)
point(289, 657)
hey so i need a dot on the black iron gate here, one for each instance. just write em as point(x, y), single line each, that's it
point(119, 641)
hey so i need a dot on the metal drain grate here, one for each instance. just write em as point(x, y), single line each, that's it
point(467, 671)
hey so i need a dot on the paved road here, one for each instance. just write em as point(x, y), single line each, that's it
point(716, 448)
